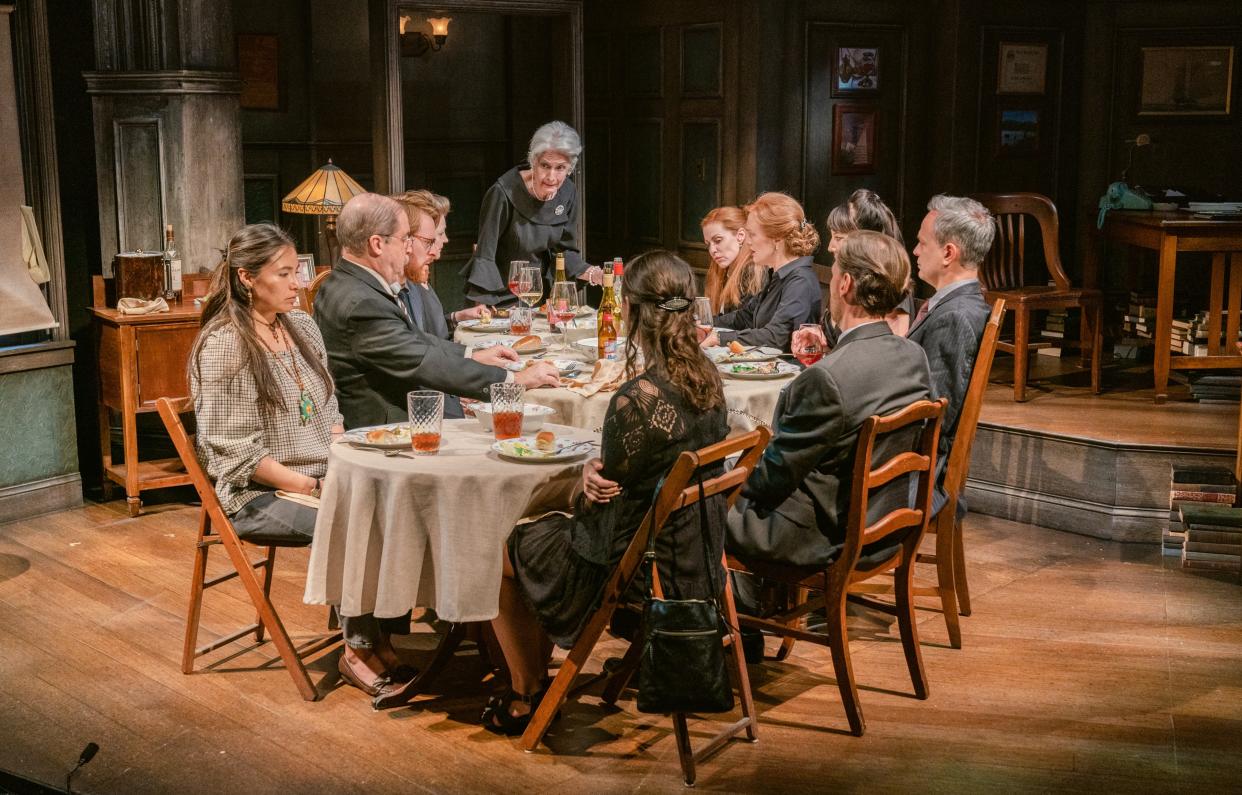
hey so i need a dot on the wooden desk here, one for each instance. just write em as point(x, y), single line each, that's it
point(141, 358)
point(1169, 234)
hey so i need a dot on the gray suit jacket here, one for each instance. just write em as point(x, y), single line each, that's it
point(795, 503)
point(377, 355)
point(950, 334)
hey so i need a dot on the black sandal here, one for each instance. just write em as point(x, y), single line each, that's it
point(497, 718)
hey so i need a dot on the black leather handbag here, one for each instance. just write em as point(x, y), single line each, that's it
point(683, 664)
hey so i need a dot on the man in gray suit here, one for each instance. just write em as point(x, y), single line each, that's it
point(376, 352)
point(794, 505)
point(954, 238)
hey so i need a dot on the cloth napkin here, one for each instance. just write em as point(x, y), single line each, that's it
point(606, 377)
point(137, 306)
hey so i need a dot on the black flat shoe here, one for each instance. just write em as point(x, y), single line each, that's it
point(498, 719)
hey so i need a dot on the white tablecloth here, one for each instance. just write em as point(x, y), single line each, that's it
point(750, 403)
point(429, 531)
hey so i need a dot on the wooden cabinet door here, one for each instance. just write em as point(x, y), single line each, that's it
point(162, 355)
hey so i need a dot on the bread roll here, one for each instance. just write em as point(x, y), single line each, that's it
point(531, 342)
point(545, 441)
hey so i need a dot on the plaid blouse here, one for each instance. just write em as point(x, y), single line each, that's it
point(235, 434)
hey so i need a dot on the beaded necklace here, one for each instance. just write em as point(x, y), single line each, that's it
point(306, 405)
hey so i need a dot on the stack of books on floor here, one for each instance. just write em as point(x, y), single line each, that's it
point(1190, 334)
point(1216, 386)
point(1196, 487)
point(1213, 537)
point(1056, 331)
point(1140, 317)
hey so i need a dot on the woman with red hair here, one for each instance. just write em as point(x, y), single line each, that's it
point(732, 275)
point(781, 240)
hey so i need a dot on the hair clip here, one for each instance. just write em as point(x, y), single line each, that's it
point(674, 304)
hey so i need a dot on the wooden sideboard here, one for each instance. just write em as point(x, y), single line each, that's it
point(141, 358)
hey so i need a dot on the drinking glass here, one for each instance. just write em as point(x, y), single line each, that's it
point(564, 304)
point(810, 350)
point(703, 316)
point(508, 404)
point(426, 415)
point(515, 276)
point(530, 284)
point(520, 318)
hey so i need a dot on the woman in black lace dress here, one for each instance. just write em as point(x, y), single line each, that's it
point(558, 566)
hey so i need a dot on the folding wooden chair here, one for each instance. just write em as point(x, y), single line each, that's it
point(677, 493)
point(864, 555)
point(214, 528)
point(950, 558)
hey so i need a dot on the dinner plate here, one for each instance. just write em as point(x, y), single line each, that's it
point(583, 311)
point(523, 449)
point(358, 437)
point(739, 371)
point(493, 326)
point(723, 356)
point(591, 345)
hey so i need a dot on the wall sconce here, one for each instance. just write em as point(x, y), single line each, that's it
point(415, 43)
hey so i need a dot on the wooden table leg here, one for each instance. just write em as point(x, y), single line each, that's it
point(1164, 314)
point(1235, 302)
point(1216, 304)
point(105, 447)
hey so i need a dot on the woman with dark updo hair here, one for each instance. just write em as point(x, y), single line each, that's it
point(558, 566)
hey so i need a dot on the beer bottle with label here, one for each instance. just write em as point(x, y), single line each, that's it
point(607, 322)
point(172, 268)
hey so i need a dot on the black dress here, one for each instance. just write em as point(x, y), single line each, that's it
point(515, 225)
point(562, 563)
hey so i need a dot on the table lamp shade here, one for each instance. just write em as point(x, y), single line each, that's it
point(322, 193)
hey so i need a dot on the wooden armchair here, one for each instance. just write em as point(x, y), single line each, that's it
point(870, 550)
point(1003, 276)
point(676, 493)
point(313, 290)
point(214, 528)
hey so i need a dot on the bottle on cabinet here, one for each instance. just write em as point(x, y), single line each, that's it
point(172, 268)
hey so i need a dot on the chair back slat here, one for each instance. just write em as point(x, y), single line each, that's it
point(926, 413)
point(313, 290)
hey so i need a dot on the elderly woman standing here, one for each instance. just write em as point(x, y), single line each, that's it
point(530, 213)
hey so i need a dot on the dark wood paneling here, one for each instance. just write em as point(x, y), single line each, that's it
point(700, 176)
point(644, 195)
point(139, 184)
point(701, 61)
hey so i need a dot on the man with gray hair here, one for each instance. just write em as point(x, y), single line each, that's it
point(953, 240)
point(376, 351)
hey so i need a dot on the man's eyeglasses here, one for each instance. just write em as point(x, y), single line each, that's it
point(427, 242)
point(406, 241)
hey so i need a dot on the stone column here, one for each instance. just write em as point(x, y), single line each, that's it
point(167, 127)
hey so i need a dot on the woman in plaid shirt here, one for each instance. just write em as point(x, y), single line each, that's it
point(266, 414)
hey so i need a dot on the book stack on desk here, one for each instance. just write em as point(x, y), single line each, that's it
point(1194, 488)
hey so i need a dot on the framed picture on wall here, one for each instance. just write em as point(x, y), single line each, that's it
point(1021, 68)
point(856, 71)
point(1186, 81)
point(854, 139)
point(306, 269)
point(1018, 132)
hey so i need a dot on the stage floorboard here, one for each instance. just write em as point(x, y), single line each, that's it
point(1088, 665)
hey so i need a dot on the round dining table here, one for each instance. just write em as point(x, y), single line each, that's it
point(750, 402)
point(396, 532)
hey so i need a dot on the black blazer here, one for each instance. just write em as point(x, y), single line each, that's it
point(790, 298)
point(950, 334)
point(377, 355)
point(794, 505)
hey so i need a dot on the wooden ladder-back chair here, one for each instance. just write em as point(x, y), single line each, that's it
point(313, 290)
point(214, 528)
point(1002, 274)
point(863, 556)
point(949, 556)
point(680, 490)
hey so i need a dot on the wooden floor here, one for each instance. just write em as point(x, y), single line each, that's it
point(1060, 402)
point(1087, 666)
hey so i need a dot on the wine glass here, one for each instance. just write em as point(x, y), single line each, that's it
point(703, 316)
point(809, 350)
point(530, 284)
point(515, 276)
point(564, 305)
